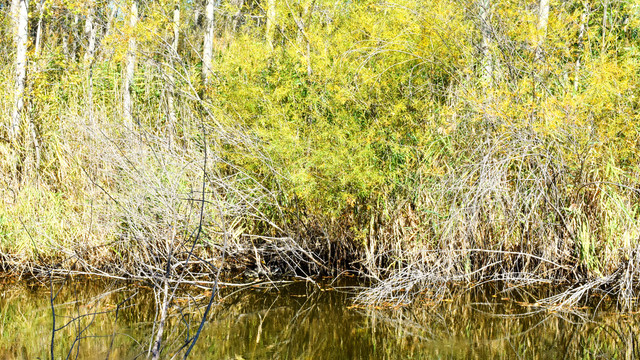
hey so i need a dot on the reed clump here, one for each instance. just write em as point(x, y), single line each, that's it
point(524, 209)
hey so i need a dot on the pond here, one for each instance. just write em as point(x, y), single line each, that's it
point(98, 319)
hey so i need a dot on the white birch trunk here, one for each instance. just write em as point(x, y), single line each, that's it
point(127, 106)
point(74, 44)
point(302, 37)
point(39, 29)
point(235, 20)
point(604, 26)
point(113, 10)
point(484, 7)
point(65, 45)
point(21, 18)
point(487, 61)
point(169, 79)
point(196, 17)
point(543, 20)
point(176, 29)
point(90, 30)
point(207, 49)
point(584, 18)
point(271, 19)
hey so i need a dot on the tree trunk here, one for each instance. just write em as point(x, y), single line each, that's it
point(38, 41)
point(487, 61)
point(543, 20)
point(584, 20)
point(604, 26)
point(484, 8)
point(90, 30)
point(271, 19)
point(13, 10)
point(196, 16)
point(176, 29)
point(157, 344)
point(207, 51)
point(113, 9)
point(302, 37)
point(65, 45)
point(74, 44)
point(108, 27)
point(127, 105)
point(20, 20)
point(235, 19)
point(169, 79)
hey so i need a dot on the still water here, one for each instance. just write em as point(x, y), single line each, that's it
point(97, 319)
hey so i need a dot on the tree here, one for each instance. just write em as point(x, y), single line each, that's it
point(543, 20)
point(302, 34)
point(127, 105)
point(169, 79)
point(271, 19)
point(20, 20)
point(236, 17)
point(584, 19)
point(176, 28)
point(38, 40)
point(207, 49)
point(90, 30)
point(487, 61)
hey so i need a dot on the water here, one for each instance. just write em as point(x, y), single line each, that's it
point(305, 321)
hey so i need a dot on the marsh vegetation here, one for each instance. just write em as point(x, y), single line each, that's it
point(421, 146)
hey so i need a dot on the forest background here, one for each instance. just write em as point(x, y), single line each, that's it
point(417, 143)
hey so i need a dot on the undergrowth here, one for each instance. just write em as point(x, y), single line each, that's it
point(385, 148)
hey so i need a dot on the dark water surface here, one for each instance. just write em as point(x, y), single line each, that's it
point(304, 321)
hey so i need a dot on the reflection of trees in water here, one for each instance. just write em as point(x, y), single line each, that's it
point(506, 326)
point(303, 321)
point(92, 319)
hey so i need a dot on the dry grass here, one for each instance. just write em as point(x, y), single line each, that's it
point(134, 205)
point(518, 210)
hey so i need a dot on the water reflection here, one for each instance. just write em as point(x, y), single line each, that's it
point(98, 319)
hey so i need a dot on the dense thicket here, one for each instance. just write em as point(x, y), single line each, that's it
point(419, 142)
